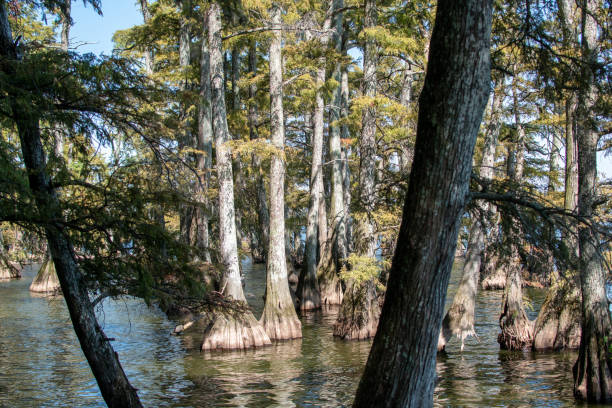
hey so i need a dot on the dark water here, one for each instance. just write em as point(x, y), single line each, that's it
point(41, 363)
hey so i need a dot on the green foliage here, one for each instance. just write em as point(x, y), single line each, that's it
point(361, 269)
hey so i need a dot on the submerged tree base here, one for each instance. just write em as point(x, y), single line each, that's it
point(8, 272)
point(359, 313)
point(457, 322)
point(234, 330)
point(46, 280)
point(281, 325)
point(558, 324)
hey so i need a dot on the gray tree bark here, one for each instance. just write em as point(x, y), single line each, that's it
point(263, 234)
point(204, 156)
point(402, 364)
point(229, 330)
point(593, 370)
point(459, 320)
point(279, 318)
point(335, 253)
point(359, 312)
point(516, 328)
point(558, 325)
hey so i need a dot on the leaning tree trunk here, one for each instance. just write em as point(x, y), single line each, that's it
point(103, 361)
point(401, 367)
point(359, 312)
point(459, 320)
point(236, 329)
point(516, 328)
point(593, 370)
point(279, 318)
point(558, 325)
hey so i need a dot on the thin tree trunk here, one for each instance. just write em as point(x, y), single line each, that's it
point(402, 364)
point(148, 54)
point(558, 325)
point(104, 362)
point(7, 270)
point(459, 320)
point(593, 369)
point(308, 288)
point(516, 328)
point(231, 329)
point(279, 318)
point(336, 254)
point(262, 200)
point(204, 156)
point(359, 312)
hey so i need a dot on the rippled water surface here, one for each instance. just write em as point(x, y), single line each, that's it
point(41, 363)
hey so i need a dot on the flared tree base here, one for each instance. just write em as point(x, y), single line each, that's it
point(359, 313)
point(234, 330)
point(46, 280)
point(281, 324)
point(9, 272)
point(593, 371)
point(309, 296)
point(457, 322)
point(331, 292)
point(558, 324)
point(494, 281)
point(516, 333)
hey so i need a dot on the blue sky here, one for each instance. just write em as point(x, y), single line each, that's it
point(97, 31)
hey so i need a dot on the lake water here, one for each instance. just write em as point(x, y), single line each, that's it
point(41, 363)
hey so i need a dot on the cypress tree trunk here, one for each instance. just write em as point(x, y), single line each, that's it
point(103, 361)
point(263, 233)
point(279, 318)
point(516, 328)
point(558, 325)
point(593, 370)
point(229, 329)
point(335, 255)
point(459, 320)
point(46, 281)
point(401, 367)
point(7, 270)
point(359, 312)
point(146, 16)
point(316, 229)
point(204, 156)
point(186, 212)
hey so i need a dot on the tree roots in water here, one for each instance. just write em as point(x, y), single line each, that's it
point(234, 330)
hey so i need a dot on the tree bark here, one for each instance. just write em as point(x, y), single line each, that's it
point(516, 328)
point(459, 320)
point(263, 234)
point(103, 361)
point(148, 54)
point(359, 312)
point(401, 367)
point(279, 318)
point(204, 156)
point(229, 330)
point(335, 255)
point(593, 370)
point(186, 212)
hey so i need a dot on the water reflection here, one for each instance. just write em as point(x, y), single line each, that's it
point(41, 363)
